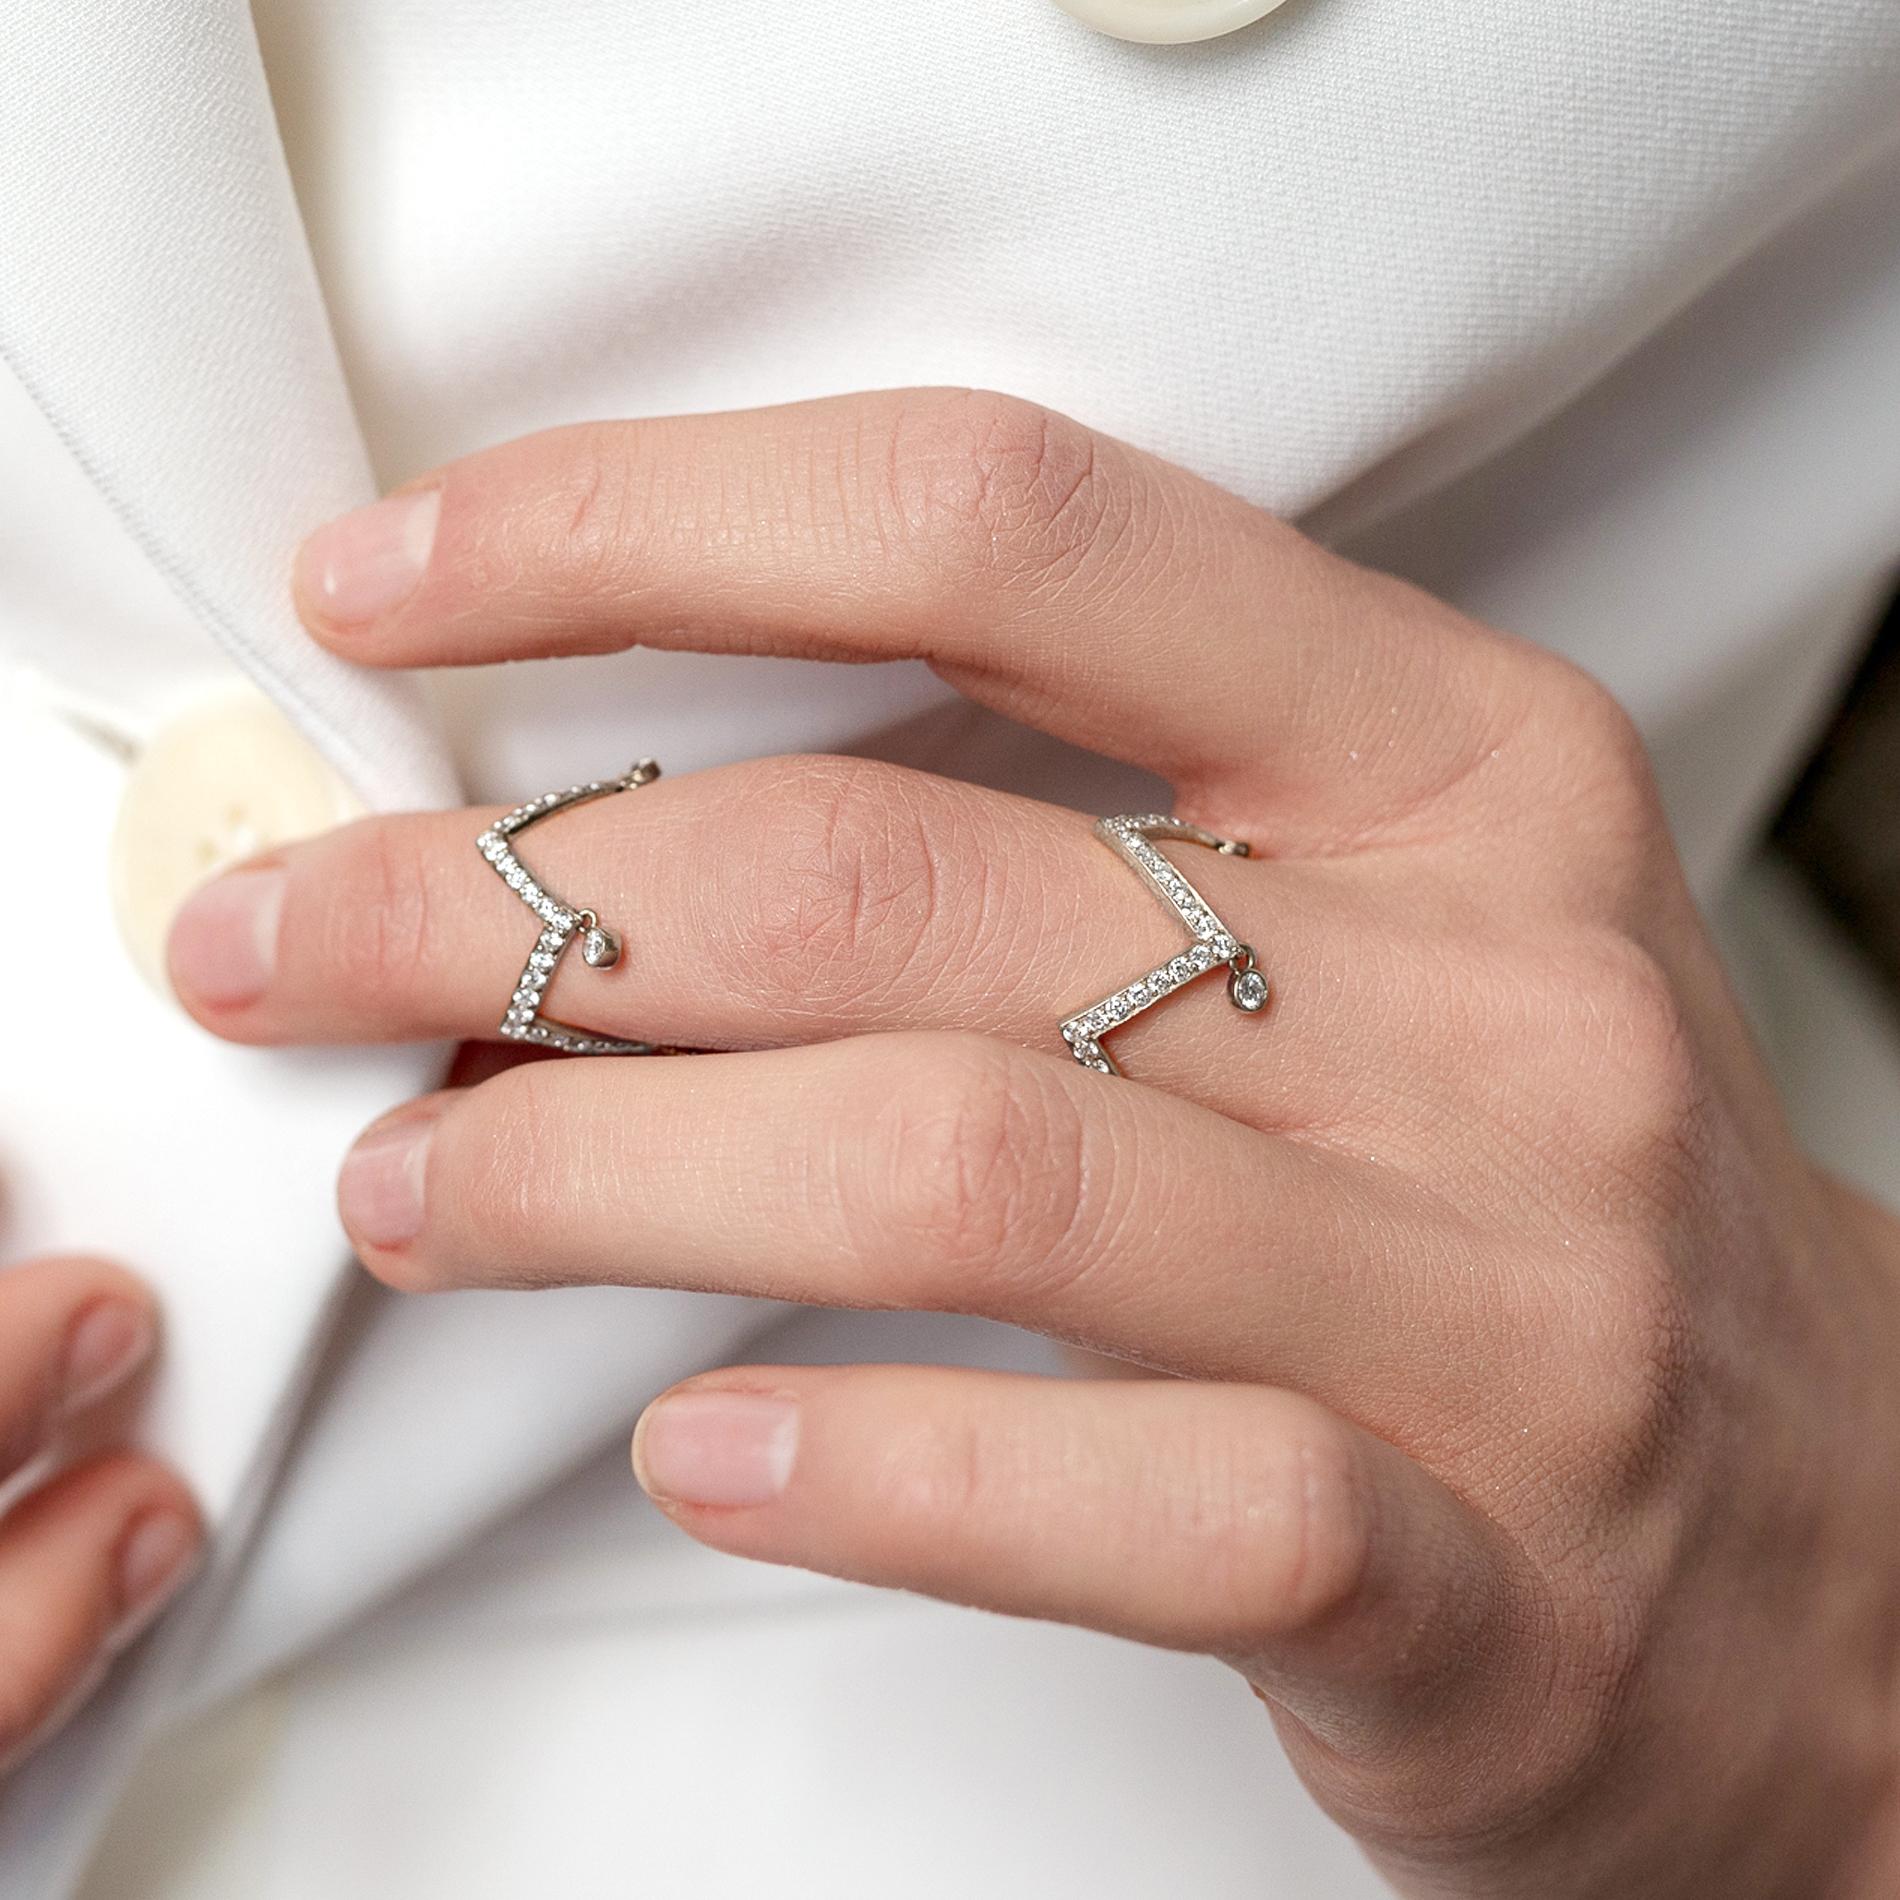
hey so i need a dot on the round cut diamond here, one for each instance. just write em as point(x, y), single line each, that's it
point(1248, 988)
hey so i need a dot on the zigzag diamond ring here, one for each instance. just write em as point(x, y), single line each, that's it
point(1132, 839)
point(560, 923)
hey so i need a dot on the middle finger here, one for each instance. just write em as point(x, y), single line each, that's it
point(768, 904)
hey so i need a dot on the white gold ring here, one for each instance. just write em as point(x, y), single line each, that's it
point(1132, 839)
point(560, 923)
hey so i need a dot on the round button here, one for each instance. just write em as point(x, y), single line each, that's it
point(225, 779)
point(1168, 22)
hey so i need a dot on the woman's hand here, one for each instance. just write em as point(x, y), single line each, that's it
point(90, 1555)
point(1534, 1439)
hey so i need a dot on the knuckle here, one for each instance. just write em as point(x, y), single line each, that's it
point(1296, 1546)
point(1639, 1365)
point(1611, 1065)
point(971, 1185)
point(1595, 757)
point(1590, 1647)
point(930, 1474)
point(839, 893)
point(498, 1184)
point(1415, 1810)
point(1002, 494)
point(577, 519)
point(1651, 1093)
point(377, 938)
point(491, 1160)
point(1639, 1127)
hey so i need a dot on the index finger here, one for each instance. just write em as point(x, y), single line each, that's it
point(1052, 572)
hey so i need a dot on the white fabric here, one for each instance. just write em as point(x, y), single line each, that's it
point(1587, 317)
point(159, 304)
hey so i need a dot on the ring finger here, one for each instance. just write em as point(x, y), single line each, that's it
point(948, 1173)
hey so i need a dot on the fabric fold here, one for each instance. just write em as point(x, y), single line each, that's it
point(158, 303)
point(157, 299)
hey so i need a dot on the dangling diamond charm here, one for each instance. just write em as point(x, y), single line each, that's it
point(1247, 986)
point(600, 948)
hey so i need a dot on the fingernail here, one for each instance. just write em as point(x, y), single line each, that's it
point(380, 1190)
point(223, 947)
point(111, 1337)
point(155, 1558)
point(716, 1448)
point(362, 565)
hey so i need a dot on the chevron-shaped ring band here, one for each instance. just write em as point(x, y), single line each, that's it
point(1213, 945)
point(560, 923)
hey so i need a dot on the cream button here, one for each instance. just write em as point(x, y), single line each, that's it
point(225, 779)
point(1168, 22)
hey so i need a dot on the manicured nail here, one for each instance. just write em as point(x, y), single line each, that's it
point(365, 564)
point(726, 1449)
point(223, 947)
point(111, 1338)
point(380, 1190)
point(157, 1555)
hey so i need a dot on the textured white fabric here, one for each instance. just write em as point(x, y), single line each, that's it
point(159, 304)
point(156, 302)
point(1588, 317)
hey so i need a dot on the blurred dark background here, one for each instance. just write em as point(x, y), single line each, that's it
point(1841, 824)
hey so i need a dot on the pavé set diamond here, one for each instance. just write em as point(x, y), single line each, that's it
point(1132, 839)
point(560, 923)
